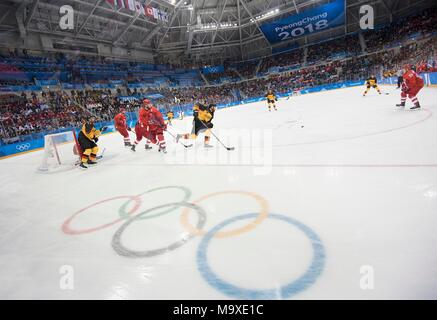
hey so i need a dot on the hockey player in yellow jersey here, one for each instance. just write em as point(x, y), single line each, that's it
point(371, 82)
point(202, 122)
point(88, 137)
point(271, 99)
point(170, 117)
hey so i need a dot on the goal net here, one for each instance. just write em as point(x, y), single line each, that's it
point(61, 150)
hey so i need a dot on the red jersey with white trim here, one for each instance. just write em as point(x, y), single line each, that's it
point(412, 80)
point(120, 120)
point(143, 117)
point(154, 118)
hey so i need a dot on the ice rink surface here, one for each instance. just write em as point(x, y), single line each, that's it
point(331, 194)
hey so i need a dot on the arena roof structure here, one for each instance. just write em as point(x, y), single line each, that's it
point(207, 31)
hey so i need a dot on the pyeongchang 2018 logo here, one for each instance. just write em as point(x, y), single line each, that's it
point(23, 147)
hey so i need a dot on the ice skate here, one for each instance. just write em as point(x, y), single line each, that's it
point(416, 106)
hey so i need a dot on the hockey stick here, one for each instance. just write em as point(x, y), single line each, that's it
point(391, 91)
point(185, 145)
point(101, 155)
point(227, 148)
point(103, 129)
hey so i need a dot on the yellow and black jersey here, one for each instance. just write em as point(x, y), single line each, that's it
point(202, 113)
point(170, 115)
point(371, 81)
point(89, 131)
point(205, 115)
point(196, 108)
point(270, 96)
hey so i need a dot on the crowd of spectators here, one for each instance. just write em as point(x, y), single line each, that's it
point(214, 94)
point(8, 68)
point(33, 113)
point(11, 82)
point(386, 36)
point(80, 69)
point(294, 57)
point(228, 75)
point(248, 69)
point(56, 110)
point(340, 47)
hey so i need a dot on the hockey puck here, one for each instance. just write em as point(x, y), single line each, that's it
point(301, 126)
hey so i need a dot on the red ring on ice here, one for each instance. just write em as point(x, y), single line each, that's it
point(68, 230)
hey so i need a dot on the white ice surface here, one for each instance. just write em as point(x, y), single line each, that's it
point(360, 173)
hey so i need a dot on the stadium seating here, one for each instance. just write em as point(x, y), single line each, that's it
point(84, 82)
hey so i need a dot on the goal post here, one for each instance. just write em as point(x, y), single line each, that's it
point(60, 150)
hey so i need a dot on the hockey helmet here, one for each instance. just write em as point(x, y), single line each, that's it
point(147, 103)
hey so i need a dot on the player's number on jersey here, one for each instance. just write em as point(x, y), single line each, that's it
point(297, 32)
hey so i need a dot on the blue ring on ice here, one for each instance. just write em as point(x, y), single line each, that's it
point(285, 291)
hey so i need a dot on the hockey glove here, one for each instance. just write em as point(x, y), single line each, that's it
point(103, 129)
point(404, 88)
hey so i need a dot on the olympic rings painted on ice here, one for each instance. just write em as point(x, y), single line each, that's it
point(225, 234)
point(285, 291)
point(66, 226)
point(122, 250)
point(126, 215)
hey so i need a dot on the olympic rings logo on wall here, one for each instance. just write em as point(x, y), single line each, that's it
point(23, 147)
point(128, 217)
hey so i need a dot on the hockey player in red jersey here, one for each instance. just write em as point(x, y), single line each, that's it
point(141, 132)
point(122, 127)
point(143, 114)
point(411, 85)
point(151, 118)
